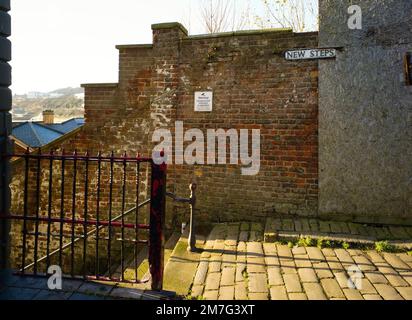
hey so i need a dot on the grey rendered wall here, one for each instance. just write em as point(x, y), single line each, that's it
point(365, 113)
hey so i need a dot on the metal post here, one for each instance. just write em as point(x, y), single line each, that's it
point(192, 235)
point(157, 223)
point(5, 131)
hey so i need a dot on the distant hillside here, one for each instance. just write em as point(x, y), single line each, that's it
point(68, 91)
point(66, 103)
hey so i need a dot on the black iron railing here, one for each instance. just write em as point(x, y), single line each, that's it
point(90, 208)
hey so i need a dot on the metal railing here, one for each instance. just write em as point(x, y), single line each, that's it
point(67, 180)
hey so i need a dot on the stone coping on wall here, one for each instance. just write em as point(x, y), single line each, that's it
point(170, 25)
point(134, 46)
point(99, 85)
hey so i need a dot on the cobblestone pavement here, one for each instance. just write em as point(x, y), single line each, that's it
point(14, 287)
point(237, 264)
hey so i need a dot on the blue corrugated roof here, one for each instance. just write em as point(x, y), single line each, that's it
point(37, 135)
point(67, 126)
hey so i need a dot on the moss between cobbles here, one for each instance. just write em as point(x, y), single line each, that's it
point(382, 246)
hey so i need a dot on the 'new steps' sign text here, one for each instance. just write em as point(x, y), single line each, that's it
point(307, 54)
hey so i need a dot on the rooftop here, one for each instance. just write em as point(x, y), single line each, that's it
point(39, 134)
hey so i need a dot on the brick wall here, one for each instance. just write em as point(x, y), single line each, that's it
point(254, 88)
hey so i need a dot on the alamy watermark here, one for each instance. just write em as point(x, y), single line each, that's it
point(55, 280)
point(202, 150)
point(355, 19)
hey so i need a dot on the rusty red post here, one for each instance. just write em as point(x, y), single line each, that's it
point(157, 223)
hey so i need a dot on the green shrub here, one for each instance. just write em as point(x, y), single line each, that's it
point(291, 244)
point(383, 246)
point(345, 245)
point(305, 242)
point(320, 243)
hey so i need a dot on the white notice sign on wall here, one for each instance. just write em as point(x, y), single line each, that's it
point(203, 101)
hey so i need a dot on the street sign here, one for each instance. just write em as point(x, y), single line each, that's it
point(308, 54)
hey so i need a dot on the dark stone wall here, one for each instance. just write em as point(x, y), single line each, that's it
point(365, 113)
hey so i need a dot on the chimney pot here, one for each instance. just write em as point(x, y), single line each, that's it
point(48, 116)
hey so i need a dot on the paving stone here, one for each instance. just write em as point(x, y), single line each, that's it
point(305, 225)
point(405, 257)
point(288, 225)
point(363, 263)
point(303, 261)
point(314, 291)
point(354, 252)
point(399, 233)
point(315, 254)
point(373, 297)
point(256, 265)
point(127, 293)
point(258, 283)
point(387, 292)
point(201, 273)
point(95, 289)
point(255, 236)
point(324, 226)
point(353, 228)
point(292, 283)
point(30, 282)
point(297, 296)
point(344, 257)
point(214, 265)
point(396, 262)
point(327, 252)
point(298, 226)
point(334, 264)
point(298, 251)
point(254, 249)
point(211, 295)
point(227, 293)
point(307, 275)
point(405, 292)
point(393, 277)
point(256, 227)
point(352, 294)
point(407, 276)
point(366, 287)
point(218, 248)
point(85, 297)
point(344, 227)
point(383, 233)
point(228, 277)
point(322, 270)
point(287, 265)
point(343, 280)
point(258, 296)
point(376, 277)
point(197, 291)
point(335, 227)
point(212, 281)
point(270, 249)
point(275, 277)
point(272, 261)
point(375, 257)
point(314, 225)
point(332, 289)
point(240, 270)
point(229, 259)
point(244, 236)
point(52, 295)
point(241, 291)
point(284, 252)
point(278, 293)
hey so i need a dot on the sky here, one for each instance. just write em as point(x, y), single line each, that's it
point(62, 43)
